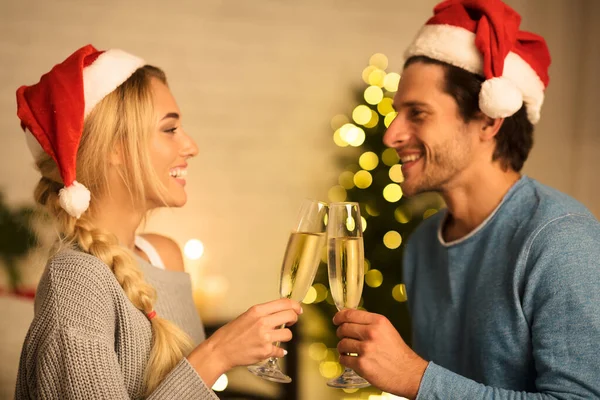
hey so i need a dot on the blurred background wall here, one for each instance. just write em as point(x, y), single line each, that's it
point(258, 83)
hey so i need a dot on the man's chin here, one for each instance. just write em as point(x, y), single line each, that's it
point(409, 189)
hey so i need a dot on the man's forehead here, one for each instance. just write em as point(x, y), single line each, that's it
point(419, 83)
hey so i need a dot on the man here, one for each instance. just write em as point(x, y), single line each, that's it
point(504, 286)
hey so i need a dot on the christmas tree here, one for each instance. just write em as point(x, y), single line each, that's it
point(372, 176)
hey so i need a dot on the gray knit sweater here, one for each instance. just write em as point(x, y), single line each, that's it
point(88, 341)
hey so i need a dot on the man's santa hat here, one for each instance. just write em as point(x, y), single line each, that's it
point(52, 111)
point(483, 37)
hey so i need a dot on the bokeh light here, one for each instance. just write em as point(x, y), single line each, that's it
point(390, 83)
point(337, 139)
point(317, 351)
point(373, 94)
point(311, 296)
point(379, 60)
point(368, 161)
point(377, 78)
point(352, 134)
point(338, 121)
point(372, 210)
point(373, 121)
point(392, 192)
point(389, 118)
point(321, 291)
point(399, 293)
point(221, 383)
point(363, 179)
point(392, 240)
point(367, 265)
point(361, 114)
point(390, 157)
point(367, 72)
point(374, 278)
point(402, 215)
point(385, 106)
point(396, 174)
point(330, 369)
point(346, 180)
point(193, 249)
point(336, 194)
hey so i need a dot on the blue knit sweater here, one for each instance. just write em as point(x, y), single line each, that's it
point(512, 310)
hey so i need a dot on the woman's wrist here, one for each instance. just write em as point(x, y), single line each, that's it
point(208, 362)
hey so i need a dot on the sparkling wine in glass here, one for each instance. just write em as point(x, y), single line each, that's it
point(346, 267)
point(300, 263)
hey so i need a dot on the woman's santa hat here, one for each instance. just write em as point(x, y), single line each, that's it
point(483, 37)
point(52, 111)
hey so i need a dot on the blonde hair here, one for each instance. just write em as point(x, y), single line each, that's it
point(122, 121)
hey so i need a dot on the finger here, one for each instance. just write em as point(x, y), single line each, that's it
point(281, 335)
point(349, 346)
point(275, 306)
point(278, 352)
point(349, 362)
point(352, 331)
point(355, 316)
point(287, 317)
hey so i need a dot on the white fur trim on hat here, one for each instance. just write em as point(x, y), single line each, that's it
point(456, 46)
point(74, 199)
point(106, 73)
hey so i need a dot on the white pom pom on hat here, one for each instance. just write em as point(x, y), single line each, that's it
point(500, 98)
point(53, 110)
point(74, 199)
point(483, 37)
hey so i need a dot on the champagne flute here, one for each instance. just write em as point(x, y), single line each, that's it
point(346, 270)
point(298, 270)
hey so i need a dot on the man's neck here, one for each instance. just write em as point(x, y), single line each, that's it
point(471, 200)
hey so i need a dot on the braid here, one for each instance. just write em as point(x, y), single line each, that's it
point(169, 343)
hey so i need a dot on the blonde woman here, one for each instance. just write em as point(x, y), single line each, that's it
point(114, 316)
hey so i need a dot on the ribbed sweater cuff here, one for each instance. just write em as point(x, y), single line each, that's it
point(183, 383)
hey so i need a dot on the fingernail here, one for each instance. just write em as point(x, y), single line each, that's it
point(301, 310)
point(284, 352)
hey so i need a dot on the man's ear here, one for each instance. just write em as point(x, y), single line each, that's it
point(490, 127)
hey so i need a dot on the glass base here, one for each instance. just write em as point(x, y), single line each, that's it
point(348, 380)
point(270, 371)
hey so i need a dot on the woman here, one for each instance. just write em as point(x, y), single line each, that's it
point(108, 324)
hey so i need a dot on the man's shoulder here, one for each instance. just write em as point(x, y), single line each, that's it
point(549, 203)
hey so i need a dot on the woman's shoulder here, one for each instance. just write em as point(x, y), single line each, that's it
point(74, 276)
point(77, 265)
point(168, 250)
point(77, 290)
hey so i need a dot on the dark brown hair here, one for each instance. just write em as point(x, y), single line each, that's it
point(515, 137)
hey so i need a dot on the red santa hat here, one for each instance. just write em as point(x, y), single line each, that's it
point(483, 37)
point(52, 111)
